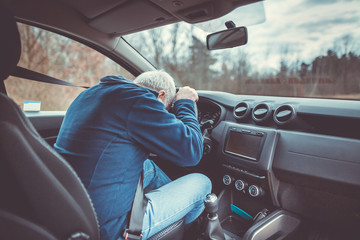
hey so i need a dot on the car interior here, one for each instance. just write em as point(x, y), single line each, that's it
point(281, 167)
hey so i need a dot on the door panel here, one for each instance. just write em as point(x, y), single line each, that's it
point(47, 124)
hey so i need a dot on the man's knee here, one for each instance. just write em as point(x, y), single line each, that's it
point(200, 181)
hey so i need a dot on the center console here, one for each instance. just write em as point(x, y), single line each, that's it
point(245, 153)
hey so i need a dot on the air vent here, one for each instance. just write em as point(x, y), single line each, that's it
point(261, 113)
point(241, 111)
point(284, 114)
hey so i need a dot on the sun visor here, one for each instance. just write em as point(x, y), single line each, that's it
point(125, 18)
point(247, 15)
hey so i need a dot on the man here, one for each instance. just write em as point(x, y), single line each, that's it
point(107, 135)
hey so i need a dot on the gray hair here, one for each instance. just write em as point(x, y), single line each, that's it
point(158, 80)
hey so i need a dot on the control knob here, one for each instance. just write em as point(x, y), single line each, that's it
point(240, 185)
point(227, 180)
point(255, 191)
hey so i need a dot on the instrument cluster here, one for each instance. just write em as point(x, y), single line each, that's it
point(209, 114)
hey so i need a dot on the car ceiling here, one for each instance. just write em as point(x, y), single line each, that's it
point(119, 17)
point(136, 15)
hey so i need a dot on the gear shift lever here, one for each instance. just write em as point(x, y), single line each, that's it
point(213, 230)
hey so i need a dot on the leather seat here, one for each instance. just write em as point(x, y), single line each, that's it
point(41, 195)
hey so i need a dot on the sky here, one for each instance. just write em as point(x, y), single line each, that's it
point(302, 29)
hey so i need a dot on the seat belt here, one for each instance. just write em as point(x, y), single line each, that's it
point(39, 77)
point(133, 232)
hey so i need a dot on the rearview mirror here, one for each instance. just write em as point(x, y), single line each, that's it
point(228, 38)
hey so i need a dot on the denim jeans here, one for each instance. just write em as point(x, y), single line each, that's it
point(169, 201)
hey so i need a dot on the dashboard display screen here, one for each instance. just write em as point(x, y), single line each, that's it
point(244, 145)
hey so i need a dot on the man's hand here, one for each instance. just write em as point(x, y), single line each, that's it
point(187, 93)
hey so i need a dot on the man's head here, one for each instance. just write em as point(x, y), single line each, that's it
point(159, 81)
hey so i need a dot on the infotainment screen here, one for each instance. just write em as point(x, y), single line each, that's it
point(244, 144)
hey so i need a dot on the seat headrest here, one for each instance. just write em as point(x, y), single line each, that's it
point(10, 45)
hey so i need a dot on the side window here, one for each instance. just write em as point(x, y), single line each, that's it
point(62, 58)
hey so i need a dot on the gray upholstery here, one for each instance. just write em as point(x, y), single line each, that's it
point(14, 227)
point(37, 183)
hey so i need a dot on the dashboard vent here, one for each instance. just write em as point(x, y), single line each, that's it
point(284, 114)
point(241, 111)
point(261, 113)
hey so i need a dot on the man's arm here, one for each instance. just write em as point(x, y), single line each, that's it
point(177, 139)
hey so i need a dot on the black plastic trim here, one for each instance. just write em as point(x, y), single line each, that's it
point(277, 225)
point(317, 161)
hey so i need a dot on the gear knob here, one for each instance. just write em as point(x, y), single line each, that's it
point(211, 204)
point(213, 230)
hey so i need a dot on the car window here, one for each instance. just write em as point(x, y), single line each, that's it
point(303, 49)
point(62, 58)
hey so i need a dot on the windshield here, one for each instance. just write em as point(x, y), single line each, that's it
point(303, 49)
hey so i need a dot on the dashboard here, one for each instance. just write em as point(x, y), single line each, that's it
point(297, 154)
point(209, 114)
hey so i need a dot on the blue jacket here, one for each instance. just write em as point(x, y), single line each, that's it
point(109, 131)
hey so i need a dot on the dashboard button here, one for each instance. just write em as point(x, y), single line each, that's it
point(240, 185)
point(255, 191)
point(227, 180)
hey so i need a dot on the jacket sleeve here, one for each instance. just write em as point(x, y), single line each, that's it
point(175, 138)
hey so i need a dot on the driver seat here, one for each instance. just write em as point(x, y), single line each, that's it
point(41, 196)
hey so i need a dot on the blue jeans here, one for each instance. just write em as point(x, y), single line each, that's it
point(169, 201)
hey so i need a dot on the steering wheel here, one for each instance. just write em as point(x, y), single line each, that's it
point(196, 110)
